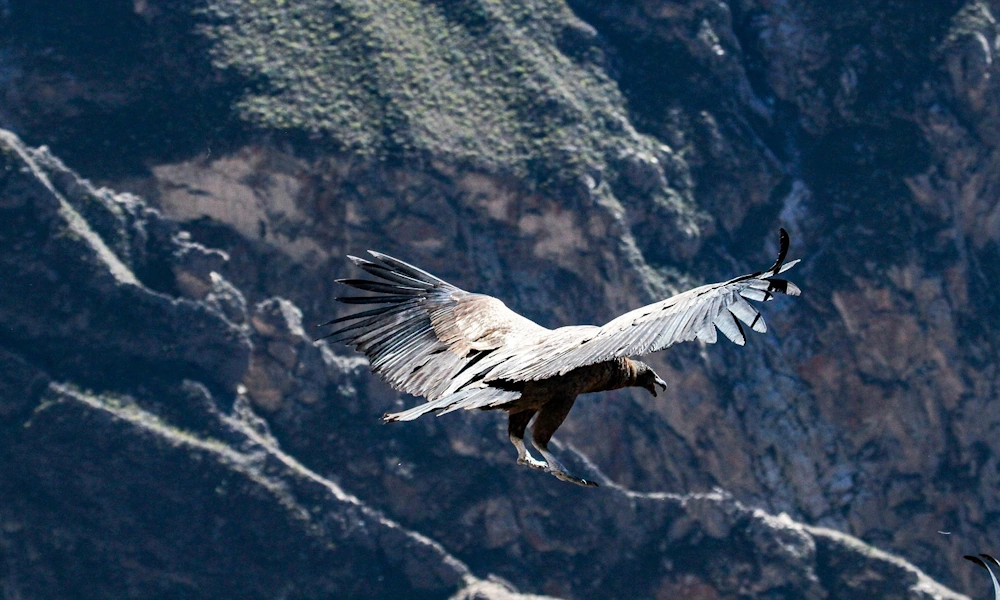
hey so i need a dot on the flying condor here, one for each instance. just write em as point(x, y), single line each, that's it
point(462, 350)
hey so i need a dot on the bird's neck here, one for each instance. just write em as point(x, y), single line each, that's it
point(624, 375)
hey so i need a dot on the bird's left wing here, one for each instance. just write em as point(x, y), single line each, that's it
point(696, 313)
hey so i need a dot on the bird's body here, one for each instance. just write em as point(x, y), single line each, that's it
point(602, 377)
point(469, 351)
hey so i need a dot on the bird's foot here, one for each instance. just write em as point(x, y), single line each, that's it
point(532, 462)
point(557, 470)
point(564, 476)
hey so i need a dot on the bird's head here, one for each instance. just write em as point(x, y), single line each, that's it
point(647, 378)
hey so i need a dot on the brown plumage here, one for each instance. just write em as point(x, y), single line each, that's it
point(429, 338)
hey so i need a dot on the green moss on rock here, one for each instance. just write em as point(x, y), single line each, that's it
point(515, 87)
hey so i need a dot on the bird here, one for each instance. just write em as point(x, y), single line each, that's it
point(983, 563)
point(462, 350)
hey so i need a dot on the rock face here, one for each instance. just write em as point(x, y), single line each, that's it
point(170, 429)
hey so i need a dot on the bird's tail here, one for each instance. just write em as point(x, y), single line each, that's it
point(484, 397)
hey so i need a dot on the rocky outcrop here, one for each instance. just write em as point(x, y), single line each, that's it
point(133, 463)
point(575, 160)
point(162, 479)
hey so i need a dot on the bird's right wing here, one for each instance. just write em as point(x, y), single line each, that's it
point(425, 330)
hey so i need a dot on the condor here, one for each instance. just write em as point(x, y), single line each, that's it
point(462, 350)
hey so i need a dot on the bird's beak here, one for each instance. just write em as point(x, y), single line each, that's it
point(656, 382)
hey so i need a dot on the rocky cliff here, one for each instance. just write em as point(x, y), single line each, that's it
point(169, 428)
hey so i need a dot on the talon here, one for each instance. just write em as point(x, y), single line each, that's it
point(564, 476)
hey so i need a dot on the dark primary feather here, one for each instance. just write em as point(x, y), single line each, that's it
point(433, 339)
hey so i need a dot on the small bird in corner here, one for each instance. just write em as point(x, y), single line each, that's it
point(984, 561)
point(462, 350)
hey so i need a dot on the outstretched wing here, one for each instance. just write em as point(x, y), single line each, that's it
point(426, 331)
point(696, 313)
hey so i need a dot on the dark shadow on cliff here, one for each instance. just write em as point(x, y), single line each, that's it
point(113, 86)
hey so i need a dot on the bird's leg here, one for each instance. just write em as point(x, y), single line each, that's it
point(550, 417)
point(516, 425)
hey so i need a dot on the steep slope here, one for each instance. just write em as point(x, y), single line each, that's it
point(575, 161)
point(134, 464)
